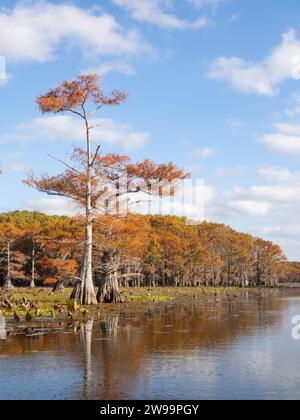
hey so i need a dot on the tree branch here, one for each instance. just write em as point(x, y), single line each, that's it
point(96, 155)
point(64, 163)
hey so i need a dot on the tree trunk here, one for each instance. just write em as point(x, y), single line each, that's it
point(32, 282)
point(84, 292)
point(7, 282)
point(59, 286)
point(109, 291)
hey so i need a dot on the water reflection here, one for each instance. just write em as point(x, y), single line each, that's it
point(85, 333)
point(190, 350)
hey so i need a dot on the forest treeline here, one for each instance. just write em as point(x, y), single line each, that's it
point(37, 249)
point(290, 273)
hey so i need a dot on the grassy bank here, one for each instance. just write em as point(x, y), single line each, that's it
point(33, 305)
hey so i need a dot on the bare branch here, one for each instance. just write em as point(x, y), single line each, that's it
point(64, 163)
point(74, 112)
point(96, 155)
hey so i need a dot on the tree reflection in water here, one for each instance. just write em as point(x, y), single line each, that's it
point(85, 334)
point(124, 356)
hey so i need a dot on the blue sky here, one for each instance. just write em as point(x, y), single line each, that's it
point(214, 86)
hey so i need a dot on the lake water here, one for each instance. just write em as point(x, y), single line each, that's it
point(237, 350)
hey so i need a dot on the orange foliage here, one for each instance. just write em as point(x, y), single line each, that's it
point(150, 250)
point(71, 95)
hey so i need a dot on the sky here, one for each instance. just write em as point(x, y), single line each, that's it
point(214, 85)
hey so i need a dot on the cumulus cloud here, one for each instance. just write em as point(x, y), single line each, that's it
point(270, 210)
point(159, 13)
point(263, 77)
point(290, 129)
point(36, 31)
point(285, 135)
point(204, 153)
point(251, 207)
point(282, 143)
point(51, 205)
point(114, 66)
point(260, 200)
point(67, 128)
point(284, 194)
point(278, 174)
point(285, 231)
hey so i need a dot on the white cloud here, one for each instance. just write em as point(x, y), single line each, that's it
point(122, 67)
point(204, 153)
point(281, 143)
point(251, 207)
point(13, 162)
point(263, 77)
point(242, 75)
point(259, 200)
point(67, 128)
point(36, 31)
point(158, 12)
point(283, 194)
point(278, 174)
point(51, 205)
point(290, 129)
point(202, 3)
point(235, 172)
point(289, 230)
point(276, 193)
point(269, 211)
point(285, 138)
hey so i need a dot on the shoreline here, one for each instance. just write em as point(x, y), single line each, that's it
point(40, 304)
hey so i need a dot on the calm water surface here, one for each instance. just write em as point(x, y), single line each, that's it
point(237, 350)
